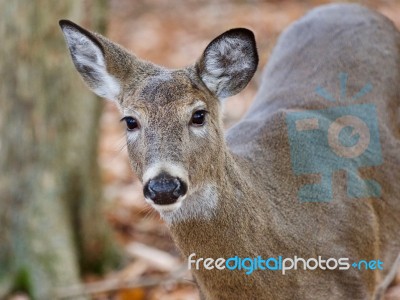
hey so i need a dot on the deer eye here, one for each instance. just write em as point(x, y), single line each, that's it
point(131, 123)
point(198, 118)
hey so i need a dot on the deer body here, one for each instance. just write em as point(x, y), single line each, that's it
point(239, 196)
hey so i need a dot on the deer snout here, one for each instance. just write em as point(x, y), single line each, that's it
point(164, 189)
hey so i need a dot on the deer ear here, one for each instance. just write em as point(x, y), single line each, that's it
point(88, 55)
point(229, 62)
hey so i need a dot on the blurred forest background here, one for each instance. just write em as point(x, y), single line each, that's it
point(73, 222)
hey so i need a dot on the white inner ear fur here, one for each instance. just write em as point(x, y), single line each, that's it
point(217, 73)
point(86, 53)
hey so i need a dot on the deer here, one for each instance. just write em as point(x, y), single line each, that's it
point(240, 193)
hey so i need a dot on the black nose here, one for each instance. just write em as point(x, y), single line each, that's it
point(164, 189)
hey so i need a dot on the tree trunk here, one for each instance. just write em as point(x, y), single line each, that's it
point(51, 222)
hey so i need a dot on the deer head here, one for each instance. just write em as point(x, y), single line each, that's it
point(174, 133)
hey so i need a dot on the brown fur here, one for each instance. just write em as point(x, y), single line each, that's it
point(258, 212)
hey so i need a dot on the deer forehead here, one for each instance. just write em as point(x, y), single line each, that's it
point(170, 92)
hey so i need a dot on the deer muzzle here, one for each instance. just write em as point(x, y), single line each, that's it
point(164, 189)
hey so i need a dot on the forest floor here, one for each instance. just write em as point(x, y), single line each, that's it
point(174, 34)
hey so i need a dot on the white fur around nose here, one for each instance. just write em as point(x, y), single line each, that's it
point(86, 53)
point(199, 205)
point(172, 169)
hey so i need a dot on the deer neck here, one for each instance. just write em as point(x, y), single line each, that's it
point(220, 210)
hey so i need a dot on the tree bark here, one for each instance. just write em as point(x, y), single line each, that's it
point(51, 222)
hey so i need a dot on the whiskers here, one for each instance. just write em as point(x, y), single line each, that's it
point(147, 212)
point(122, 144)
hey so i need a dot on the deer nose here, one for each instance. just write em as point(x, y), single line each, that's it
point(164, 189)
